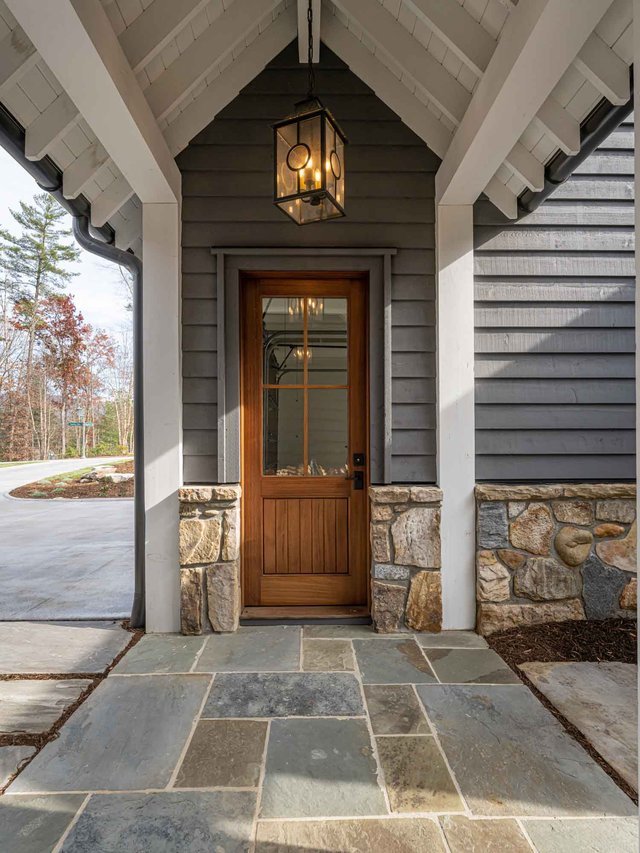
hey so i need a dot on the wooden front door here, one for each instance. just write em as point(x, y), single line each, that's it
point(305, 448)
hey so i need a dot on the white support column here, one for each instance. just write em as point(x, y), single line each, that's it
point(162, 412)
point(456, 422)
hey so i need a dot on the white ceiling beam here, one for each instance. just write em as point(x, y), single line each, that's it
point(541, 38)
point(527, 167)
point(303, 30)
point(385, 84)
point(461, 33)
point(202, 55)
point(221, 91)
point(443, 89)
point(128, 232)
point(77, 41)
point(502, 197)
point(110, 201)
point(151, 32)
point(50, 126)
point(83, 170)
point(17, 56)
point(604, 69)
point(560, 125)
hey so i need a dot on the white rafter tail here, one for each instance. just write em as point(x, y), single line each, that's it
point(17, 57)
point(303, 30)
point(221, 91)
point(461, 33)
point(130, 231)
point(443, 89)
point(83, 170)
point(76, 40)
point(514, 87)
point(502, 197)
point(386, 85)
point(152, 31)
point(203, 54)
point(50, 126)
point(604, 69)
point(110, 201)
point(560, 125)
point(527, 167)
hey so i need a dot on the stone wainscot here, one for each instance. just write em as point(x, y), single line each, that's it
point(405, 550)
point(555, 552)
point(209, 559)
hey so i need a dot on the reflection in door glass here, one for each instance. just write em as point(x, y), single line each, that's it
point(283, 340)
point(283, 431)
point(328, 431)
point(327, 342)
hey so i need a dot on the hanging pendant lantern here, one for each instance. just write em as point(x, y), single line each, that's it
point(309, 158)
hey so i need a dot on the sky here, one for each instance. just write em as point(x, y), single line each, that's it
point(98, 290)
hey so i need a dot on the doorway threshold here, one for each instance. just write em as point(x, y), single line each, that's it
point(327, 615)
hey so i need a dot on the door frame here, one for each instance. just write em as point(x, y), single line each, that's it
point(307, 275)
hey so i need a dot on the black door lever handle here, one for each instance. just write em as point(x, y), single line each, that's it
point(358, 479)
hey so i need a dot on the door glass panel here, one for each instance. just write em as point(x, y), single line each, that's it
point(283, 431)
point(328, 431)
point(283, 340)
point(327, 341)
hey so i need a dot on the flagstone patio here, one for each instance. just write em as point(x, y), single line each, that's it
point(313, 739)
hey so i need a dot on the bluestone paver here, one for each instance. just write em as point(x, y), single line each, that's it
point(416, 775)
point(470, 666)
point(161, 653)
point(394, 710)
point(511, 756)
point(252, 649)
point(584, 836)
point(320, 768)
point(483, 836)
point(287, 694)
point(343, 632)
point(169, 822)
point(128, 735)
point(395, 661)
point(224, 753)
point(452, 640)
point(32, 706)
point(404, 835)
point(327, 655)
point(11, 757)
point(35, 824)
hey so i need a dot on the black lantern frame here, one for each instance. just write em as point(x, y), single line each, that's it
point(309, 169)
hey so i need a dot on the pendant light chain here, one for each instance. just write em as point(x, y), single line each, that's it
point(312, 76)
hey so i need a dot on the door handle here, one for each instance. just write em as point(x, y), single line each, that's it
point(358, 480)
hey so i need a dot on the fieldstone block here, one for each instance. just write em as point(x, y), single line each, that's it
point(389, 494)
point(231, 535)
point(603, 531)
point(381, 512)
point(533, 529)
point(603, 586)
point(424, 605)
point(389, 572)
point(499, 617)
point(629, 595)
point(416, 538)
point(573, 545)
point(599, 490)
point(380, 545)
point(387, 606)
point(200, 540)
point(620, 553)
point(514, 508)
point(207, 494)
point(191, 599)
point(517, 493)
point(492, 578)
point(426, 494)
point(573, 512)
point(223, 596)
point(616, 510)
point(544, 579)
point(512, 559)
point(493, 531)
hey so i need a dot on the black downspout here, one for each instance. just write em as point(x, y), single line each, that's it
point(604, 119)
point(49, 178)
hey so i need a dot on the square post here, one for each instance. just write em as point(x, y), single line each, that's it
point(162, 413)
point(456, 419)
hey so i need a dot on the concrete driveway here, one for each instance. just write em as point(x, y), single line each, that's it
point(63, 559)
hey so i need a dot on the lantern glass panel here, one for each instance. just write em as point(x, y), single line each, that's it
point(286, 178)
point(310, 177)
point(339, 193)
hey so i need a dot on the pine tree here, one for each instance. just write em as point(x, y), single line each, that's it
point(35, 261)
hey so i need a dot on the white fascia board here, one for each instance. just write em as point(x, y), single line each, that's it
point(76, 40)
point(538, 43)
point(387, 87)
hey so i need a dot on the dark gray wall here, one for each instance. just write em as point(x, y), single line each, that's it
point(227, 201)
point(555, 329)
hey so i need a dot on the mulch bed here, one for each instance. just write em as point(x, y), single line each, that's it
point(607, 641)
point(52, 489)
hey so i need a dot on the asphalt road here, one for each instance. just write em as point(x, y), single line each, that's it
point(63, 559)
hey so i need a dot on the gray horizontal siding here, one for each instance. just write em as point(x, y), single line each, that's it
point(227, 201)
point(554, 339)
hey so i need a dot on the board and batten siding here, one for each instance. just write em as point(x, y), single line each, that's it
point(227, 201)
point(554, 338)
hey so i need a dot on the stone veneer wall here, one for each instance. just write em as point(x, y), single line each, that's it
point(553, 553)
point(209, 559)
point(405, 550)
